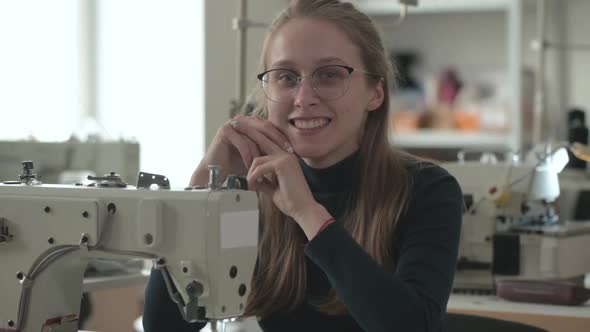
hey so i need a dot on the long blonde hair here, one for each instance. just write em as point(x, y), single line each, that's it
point(378, 200)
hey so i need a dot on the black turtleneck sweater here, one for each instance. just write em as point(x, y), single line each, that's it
point(413, 298)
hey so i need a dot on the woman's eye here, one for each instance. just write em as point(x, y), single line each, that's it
point(329, 74)
point(286, 77)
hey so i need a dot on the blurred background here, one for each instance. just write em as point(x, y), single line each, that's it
point(158, 78)
point(91, 86)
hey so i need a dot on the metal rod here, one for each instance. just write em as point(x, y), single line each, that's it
point(403, 11)
point(514, 57)
point(568, 46)
point(242, 24)
point(242, 51)
point(538, 115)
point(397, 19)
point(88, 61)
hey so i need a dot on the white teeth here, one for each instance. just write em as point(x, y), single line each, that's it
point(311, 124)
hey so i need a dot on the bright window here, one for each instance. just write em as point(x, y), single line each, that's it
point(39, 66)
point(149, 76)
point(150, 80)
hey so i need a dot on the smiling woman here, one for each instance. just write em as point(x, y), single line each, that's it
point(346, 97)
point(355, 235)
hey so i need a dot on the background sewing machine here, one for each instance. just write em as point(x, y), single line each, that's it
point(68, 162)
point(203, 239)
point(511, 227)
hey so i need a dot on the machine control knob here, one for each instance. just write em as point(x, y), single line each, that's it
point(214, 177)
point(27, 176)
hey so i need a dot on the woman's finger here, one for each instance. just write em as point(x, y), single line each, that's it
point(275, 139)
point(270, 177)
point(260, 161)
point(239, 142)
point(260, 167)
point(267, 145)
point(266, 188)
point(254, 150)
point(273, 132)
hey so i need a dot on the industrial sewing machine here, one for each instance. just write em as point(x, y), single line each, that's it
point(204, 240)
point(511, 229)
point(65, 162)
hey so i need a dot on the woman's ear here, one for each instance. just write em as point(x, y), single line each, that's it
point(377, 96)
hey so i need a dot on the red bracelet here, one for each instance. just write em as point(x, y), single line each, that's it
point(326, 223)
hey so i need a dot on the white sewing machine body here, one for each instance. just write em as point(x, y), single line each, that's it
point(514, 232)
point(205, 240)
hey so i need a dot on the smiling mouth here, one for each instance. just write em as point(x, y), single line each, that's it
point(309, 124)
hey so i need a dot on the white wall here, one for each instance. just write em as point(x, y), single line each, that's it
point(448, 39)
point(220, 55)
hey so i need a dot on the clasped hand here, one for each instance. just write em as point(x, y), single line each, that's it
point(255, 145)
point(276, 171)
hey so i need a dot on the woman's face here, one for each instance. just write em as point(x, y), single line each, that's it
point(321, 131)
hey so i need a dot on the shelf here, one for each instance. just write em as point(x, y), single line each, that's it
point(493, 303)
point(450, 139)
point(389, 7)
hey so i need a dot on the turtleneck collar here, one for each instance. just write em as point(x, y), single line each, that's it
point(336, 178)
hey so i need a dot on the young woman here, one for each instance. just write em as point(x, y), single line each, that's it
point(356, 236)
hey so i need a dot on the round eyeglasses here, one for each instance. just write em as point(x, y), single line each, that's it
point(329, 82)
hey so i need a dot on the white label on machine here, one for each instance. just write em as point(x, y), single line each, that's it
point(239, 229)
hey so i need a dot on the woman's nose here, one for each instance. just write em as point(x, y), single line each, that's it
point(305, 94)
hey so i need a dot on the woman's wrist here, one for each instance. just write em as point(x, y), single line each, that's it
point(313, 219)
